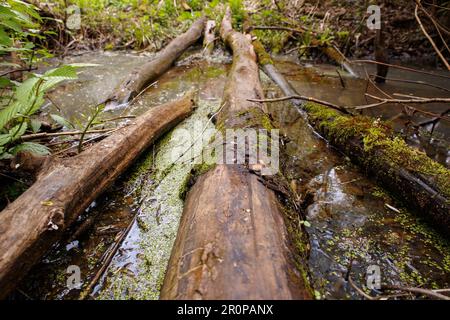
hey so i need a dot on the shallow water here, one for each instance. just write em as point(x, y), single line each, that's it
point(352, 219)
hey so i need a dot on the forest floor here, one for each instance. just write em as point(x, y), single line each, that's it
point(149, 25)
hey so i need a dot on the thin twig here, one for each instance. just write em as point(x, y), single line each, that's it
point(87, 141)
point(58, 134)
point(108, 260)
point(359, 290)
point(17, 70)
point(415, 100)
point(426, 292)
point(299, 97)
point(401, 68)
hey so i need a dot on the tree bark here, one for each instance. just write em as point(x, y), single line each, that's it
point(31, 224)
point(232, 242)
point(422, 184)
point(151, 70)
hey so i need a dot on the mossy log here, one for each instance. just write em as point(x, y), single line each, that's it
point(233, 241)
point(421, 183)
point(150, 71)
point(33, 222)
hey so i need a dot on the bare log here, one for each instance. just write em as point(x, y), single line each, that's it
point(151, 70)
point(422, 183)
point(232, 242)
point(32, 223)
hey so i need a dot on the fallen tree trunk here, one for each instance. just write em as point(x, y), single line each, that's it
point(151, 70)
point(31, 224)
point(330, 50)
point(232, 241)
point(421, 183)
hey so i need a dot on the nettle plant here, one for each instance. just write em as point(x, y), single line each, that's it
point(16, 118)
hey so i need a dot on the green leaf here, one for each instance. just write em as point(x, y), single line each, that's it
point(34, 148)
point(62, 121)
point(5, 155)
point(4, 139)
point(4, 82)
point(25, 94)
point(4, 38)
point(35, 125)
point(26, 90)
point(306, 223)
point(17, 131)
point(11, 24)
point(64, 72)
point(8, 113)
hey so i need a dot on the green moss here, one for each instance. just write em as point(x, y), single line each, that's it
point(263, 57)
point(196, 171)
point(214, 72)
point(301, 248)
point(378, 139)
point(255, 117)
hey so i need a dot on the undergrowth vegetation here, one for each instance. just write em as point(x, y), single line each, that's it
point(150, 24)
point(106, 24)
point(22, 95)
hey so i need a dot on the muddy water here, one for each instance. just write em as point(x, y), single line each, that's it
point(351, 218)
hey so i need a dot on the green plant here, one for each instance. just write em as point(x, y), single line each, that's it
point(237, 10)
point(19, 30)
point(91, 121)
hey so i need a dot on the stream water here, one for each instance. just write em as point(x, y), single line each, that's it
point(351, 218)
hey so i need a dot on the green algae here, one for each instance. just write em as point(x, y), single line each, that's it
point(162, 181)
point(263, 57)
